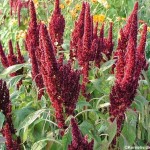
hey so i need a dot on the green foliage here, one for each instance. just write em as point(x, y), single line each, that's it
point(34, 120)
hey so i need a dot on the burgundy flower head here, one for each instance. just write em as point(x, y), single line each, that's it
point(56, 27)
point(78, 141)
point(129, 65)
point(3, 57)
point(61, 81)
point(32, 43)
point(77, 33)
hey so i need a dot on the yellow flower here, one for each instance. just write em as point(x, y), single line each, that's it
point(62, 6)
point(123, 19)
point(104, 3)
point(21, 34)
point(99, 18)
point(14, 22)
point(26, 22)
point(148, 29)
point(68, 2)
point(107, 6)
point(73, 13)
point(94, 1)
point(109, 19)
point(78, 7)
point(36, 3)
point(118, 18)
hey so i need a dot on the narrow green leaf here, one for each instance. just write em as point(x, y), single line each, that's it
point(14, 68)
point(107, 65)
point(2, 119)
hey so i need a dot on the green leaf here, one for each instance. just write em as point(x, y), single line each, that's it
point(112, 130)
point(81, 104)
point(14, 80)
point(129, 128)
point(104, 105)
point(96, 83)
point(129, 134)
point(66, 140)
point(30, 119)
point(107, 65)
point(2, 119)
point(85, 127)
point(13, 68)
point(39, 145)
point(22, 113)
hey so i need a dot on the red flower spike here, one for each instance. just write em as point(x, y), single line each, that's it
point(127, 27)
point(5, 104)
point(129, 65)
point(50, 74)
point(12, 58)
point(141, 46)
point(32, 42)
point(77, 33)
point(110, 44)
point(130, 56)
point(95, 36)
point(3, 57)
point(56, 27)
point(17, 5)
point(78, 141)
point(10, 143)
point(20, 57)
point(98, 56)
point(61, 81)
point(87, 36)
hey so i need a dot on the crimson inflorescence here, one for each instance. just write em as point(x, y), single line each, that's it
point(61, 81)
point(12, 59)
point(87, 46)
point(16, 6)
point(56, 27)
point(78, 141)
point(8, 129)
point(129, 65)
point(32, 44)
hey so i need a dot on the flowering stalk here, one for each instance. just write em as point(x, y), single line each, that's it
point(98, 54)
point(62, 82)
point(32, 43)
point(8, 128)
point(129, 66)
point(3, 57)
point(124, 34)
point(12, 59)
point(17, 5)
point(86, 46)
point(77, 33)
point(109, 43)
point(78, 141)
point(56, 27)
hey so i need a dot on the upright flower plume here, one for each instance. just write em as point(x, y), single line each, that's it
point(124, 33)
point(56, 27)
point(16, 6)
point(130, 63)
point(98, 53)
point(8, 128)
point(109, 45)
point(78, 141)
point(77, 33)
point(12, 59)
point(32, 42)
point(3, 57)
point(61, 81)
point(86, 46)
